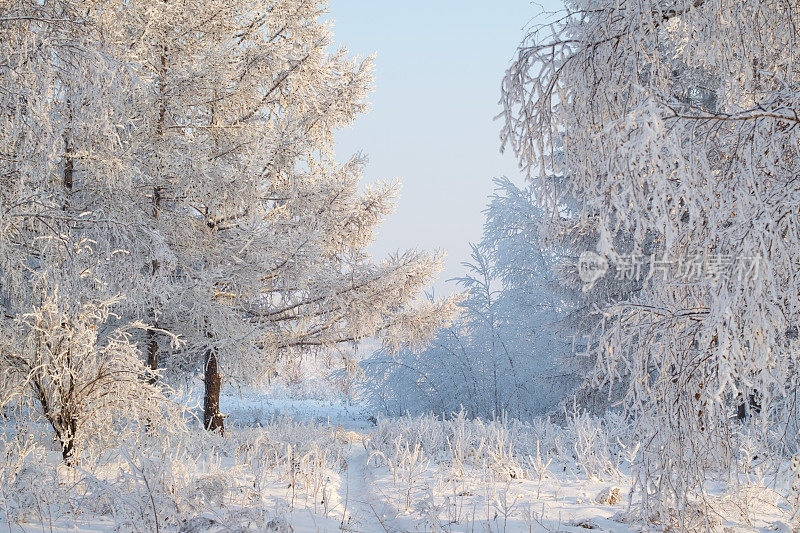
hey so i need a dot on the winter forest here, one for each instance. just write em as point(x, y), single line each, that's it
point(196, 334)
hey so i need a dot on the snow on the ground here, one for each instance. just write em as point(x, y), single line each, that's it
point(313, 465)
point(247, 408)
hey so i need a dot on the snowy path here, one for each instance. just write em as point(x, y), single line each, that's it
point(365, 510)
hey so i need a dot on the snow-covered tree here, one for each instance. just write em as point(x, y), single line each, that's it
point(179, 156)
point(69, 231)
point(263, 232)
point(673, 126)
point(84, 374)
point(508, 352)
point(68, 207)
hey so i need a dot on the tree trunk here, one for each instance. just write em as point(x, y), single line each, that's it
point(69, 170)
point(152, 354)
point(67, 438)
point(152, 334)
point(212, 418)
point(152, 337)
point(67, 179)
point(64, 425)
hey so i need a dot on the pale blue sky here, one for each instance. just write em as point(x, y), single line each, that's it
point(438, 71)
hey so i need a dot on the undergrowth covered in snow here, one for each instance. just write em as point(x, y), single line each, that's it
point(251, 479)
point(390, 474)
